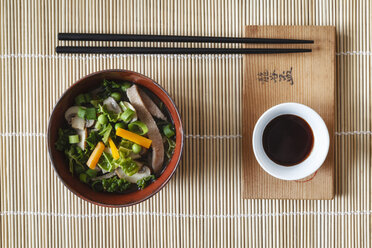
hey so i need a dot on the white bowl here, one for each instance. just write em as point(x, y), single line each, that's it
point(317, 155)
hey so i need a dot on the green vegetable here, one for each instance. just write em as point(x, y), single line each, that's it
point(77, 158)
point(106, 162)
point(73, 139)
point(95, 103)
point(116, 96)
point(110, 84)
point(124, 152)
point(138, 127)
point(126, 143)
point(142, 183)
point(125, 86)
point(129, 166)
point(87, 97)
point(91, 114)
point(168, 130)
point(108, 87)
point(97, 186)
point(127, 115)
point(122, 106)
point(92, 140)
point(112, 117)
point(98, 125)
point(119, 125)
point(136, 148)
point(161, 106)
point(63, 140)
point(82, 112)
point(102, 119)
point(115, 184)
point(79, 169)
point(80, 99)
point(170, 149)
point(91, 173)
point(83, 177)
point(105, 133)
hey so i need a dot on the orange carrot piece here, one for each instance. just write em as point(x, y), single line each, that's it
point(114, 150)
point(96, 154)
point(138, 139)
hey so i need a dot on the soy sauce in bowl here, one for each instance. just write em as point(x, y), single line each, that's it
point(288, 140)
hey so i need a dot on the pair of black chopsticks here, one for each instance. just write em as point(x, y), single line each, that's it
point(174, 50)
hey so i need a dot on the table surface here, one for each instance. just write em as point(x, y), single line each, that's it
point(201, 205)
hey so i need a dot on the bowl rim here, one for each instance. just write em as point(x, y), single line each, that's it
point(51, 158)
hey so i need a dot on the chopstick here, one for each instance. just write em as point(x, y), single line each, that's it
point(167, 50)
point(175, 38)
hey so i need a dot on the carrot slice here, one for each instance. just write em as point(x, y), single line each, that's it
point(96, 154)
point(114, 150)
point(138, 139)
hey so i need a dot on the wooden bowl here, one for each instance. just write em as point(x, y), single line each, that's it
point(58, 159)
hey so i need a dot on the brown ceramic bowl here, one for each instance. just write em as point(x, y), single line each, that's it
point(58, 158)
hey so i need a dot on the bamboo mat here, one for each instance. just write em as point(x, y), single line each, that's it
point(201, 206)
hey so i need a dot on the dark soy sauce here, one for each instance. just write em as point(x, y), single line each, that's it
point(288, 140)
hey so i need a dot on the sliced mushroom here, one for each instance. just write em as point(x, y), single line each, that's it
point(143, 151)
point(78, 123)
point(144, 172)
point(152, 107)
point(104, 176)
point(145, 116)
point(71, 113)
point(134, 156)
point(83, 136)
point(89, 123)
point(140, 165)
point(112, 105)
point(126, 105)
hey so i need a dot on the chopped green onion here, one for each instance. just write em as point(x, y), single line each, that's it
point(83, 177)
point(123, 107)
point(82, 112)
point(91, 114)
point(136, 148)
point(128, 115)
point(125, 86)
point(91, 173)
point(168, 130)
point(138, 127)
point(80, 99)
point(73, 139)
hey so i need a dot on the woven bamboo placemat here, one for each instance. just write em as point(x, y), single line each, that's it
point(201, 205)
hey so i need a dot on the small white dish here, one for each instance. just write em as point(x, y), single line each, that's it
point(317, 155)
